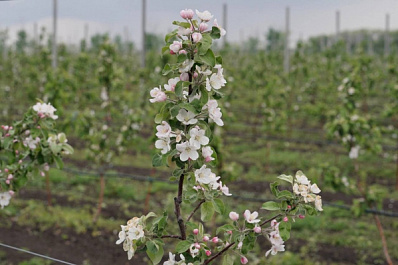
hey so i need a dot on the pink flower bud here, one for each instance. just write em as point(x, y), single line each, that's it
point(195, 75)
point(182, 52)
point(229, 232)
point(243, 260)
point(205, 238)
point(16, 151)
point(8, 181)
point(196, 37)
point(184, 77)
point(197, 245)
point(38, 127)
point(20, 161)
point(215, 240)
point(42, 173)
point(196, 231)
point(289, 207)
point(208, 159)
point(11, 192)
point(257, 229)
point(10, 176)
point(7, 134)
point(240, 244)
point(234, 216)
point(208, 253)
point(301, 216)
point(186, 13)
point(171, 52)
point(203, 26)
point(6, 170)
point(285, 219)
point(11, 127)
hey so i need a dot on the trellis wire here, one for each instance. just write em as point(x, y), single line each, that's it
point(36, 254)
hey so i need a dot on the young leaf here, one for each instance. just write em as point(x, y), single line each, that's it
point(207, 211)
point(286, 178)
point(284, 230)
point(219, 206)
point(271, 206)
point(183, 246)
point(208, 58)
point(155, 252)
point(157, 160)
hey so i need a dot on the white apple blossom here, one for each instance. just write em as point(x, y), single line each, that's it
point(175, 46)
point(301, 178)
point(171, 84)
point(354, 152)
point(136, 232)
point(224, 189)
point(171, 260)
point(234, 216)
point(184, 31)
point(31, 143)
point(318, 203)
point(4, 199)
point(275, 249)
point(186, 66)
point(158, 95)
point(222, 31)
point(203, 71)
point(215, 115)
point(122, 234)
point(46, 110)
point(187, 151)
point(204, 175)
point(217, 81)
point(198, 137)
point(193, 251)
point(251, 217)
point(315, 189)
point(207, 153)
point(204, 16)
point(196, 37)
point(186, 117)
point(163, 144)
point(164, 130)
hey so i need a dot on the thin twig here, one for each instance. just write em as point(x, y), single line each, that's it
point(171, 236)
point(269, 220)
point(218, 254)
point(383, 240)
point(194, 210)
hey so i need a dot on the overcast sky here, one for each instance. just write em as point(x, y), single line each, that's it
point(246, 18)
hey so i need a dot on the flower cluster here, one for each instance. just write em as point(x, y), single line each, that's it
point(275, 239)
point(45, 110)
point(29, 144)
point(303, 187)
point(130, 234)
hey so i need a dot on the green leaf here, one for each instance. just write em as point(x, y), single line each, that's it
point(174, 111)
point(274, 188)
point(155, 252)
point(167, 69)
point(208, 58)
point(228, 259)
point(165, 49)
point(170, 36)
point(215, 33)
point(205, 44)
point(157, 160)
point(227, 227)
point(284, 230)
point(271, 206)
point(286, 178)
point(179, 89)
point(285, 194)
point(182, 24)
point(218, 59)
point(178, 172)
point(58, 162)
point(219, 206)
point(188, 107)
point(207, 211)
point(68, 148)
point(183, 246)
